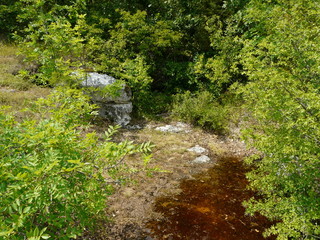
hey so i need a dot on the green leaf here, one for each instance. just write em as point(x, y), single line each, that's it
point(26, 210)
point(45, 236)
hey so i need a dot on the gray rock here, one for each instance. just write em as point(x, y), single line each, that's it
point(197, 149)
point(116, 108)
point(179, 127)
point(100, 81)
point(182, 125)
point(93, 79)
point(169, 128)
point(202, 159)
point(118, 113)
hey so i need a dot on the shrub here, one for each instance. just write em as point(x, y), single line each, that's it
point(52, 174)
point(282, 63)
point(201, 109)
point(161, 103)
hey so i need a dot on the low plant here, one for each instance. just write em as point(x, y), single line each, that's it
point(201, 109)
point(53, 169)
point(161, 103)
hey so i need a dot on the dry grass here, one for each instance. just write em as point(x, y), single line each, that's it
point(10, 64)
point(15, 91)
point(132, 205)
point(20, 99)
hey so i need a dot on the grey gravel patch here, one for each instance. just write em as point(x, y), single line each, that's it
point(197, 149)
point(202, 159)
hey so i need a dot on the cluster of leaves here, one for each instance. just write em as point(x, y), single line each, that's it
point(55, 41)
point(282, 63)
point(134, 44)
point(52, 173)
point(224, 67)
point(132, 51)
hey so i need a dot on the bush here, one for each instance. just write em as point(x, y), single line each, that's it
point(152, 104)
point(52, 174)
point(56, 48)
point(201, 109)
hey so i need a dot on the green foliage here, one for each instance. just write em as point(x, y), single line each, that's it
point(133, 44)
point(56, 47)
point(224, 67)
point(131, 52)
point(8, 18)
point(52, 173)
point(201, 109)
point(152, 104)
point(282, 61)
point(56, 41)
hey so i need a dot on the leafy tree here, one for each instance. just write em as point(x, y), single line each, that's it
point(56, 48)
point(134, 37)
point(133, 50)
point(222, 67)
point(56, 41)
point(8, 17)
point(282, 60)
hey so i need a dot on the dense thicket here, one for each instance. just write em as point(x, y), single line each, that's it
point(159, 41)
point(201, 49)
point(282, 62)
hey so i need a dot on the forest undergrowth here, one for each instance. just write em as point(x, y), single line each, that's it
point(208, 63)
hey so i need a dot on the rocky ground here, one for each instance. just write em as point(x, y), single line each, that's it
point(180, 152)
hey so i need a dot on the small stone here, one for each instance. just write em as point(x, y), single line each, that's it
point(197, 149)
point(202, 159)
point(133, 127)
point(179, 127)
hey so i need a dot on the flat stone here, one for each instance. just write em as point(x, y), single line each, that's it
point(169, 128)
point(197, 149)
point(202, 159)
point(182, 125)
point(179, 127)
point(94, 79)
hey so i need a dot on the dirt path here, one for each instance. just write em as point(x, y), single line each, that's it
point(133, 206)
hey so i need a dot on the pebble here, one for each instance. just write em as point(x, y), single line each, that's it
point(202, 159)
point(197, 149)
